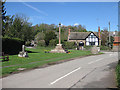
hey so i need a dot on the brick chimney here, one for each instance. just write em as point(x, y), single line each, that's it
point(68, 33)
point(99, 33)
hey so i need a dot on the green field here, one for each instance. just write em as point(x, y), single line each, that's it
point(37, 57)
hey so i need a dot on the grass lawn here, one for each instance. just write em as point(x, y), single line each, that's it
point(37, 57)
point(118, 75)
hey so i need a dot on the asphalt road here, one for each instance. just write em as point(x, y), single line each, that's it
point(88, 72)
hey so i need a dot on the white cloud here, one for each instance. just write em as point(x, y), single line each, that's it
point(36, 9)
point(61, 24)
point(76, 24)
point(32, 18)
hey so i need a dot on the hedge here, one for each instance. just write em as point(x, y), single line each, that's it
point(11, 45)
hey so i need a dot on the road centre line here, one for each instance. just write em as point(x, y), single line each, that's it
point(65, 76)
point(95, 61)
point(110, 54)
point(72, 72)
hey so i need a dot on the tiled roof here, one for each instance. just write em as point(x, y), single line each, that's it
point(80, 35)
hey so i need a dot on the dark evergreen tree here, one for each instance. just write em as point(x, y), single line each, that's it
point(49, 36)
point(3, 17)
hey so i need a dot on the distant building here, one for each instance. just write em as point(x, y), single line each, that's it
point(85, 38)
point(114, 33)
point(116, 41)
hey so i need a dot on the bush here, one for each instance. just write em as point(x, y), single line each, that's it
point(11, 45)
point(28, 43)
point(104, 48)
point(53, 42)
point(88, 47)
point(41, 43)
point(69, 45)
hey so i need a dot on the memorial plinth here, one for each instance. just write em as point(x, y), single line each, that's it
point(58, 49)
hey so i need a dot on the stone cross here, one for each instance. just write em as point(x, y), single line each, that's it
point(23, 48)
point(59, 33)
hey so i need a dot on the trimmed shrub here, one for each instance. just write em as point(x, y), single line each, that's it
point(41, 43)
point(11, 45)
point(69, 45)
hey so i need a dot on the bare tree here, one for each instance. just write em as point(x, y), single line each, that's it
point(104, 36)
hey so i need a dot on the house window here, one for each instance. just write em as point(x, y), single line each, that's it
point(87, 43)
point(96, 39)
point(92, 36)
point(87, 39)
point(92, 43)
point(96, 43)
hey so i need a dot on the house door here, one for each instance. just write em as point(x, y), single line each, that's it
point(81, 44)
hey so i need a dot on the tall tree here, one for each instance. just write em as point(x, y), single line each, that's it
point(21, 28)
point(104, 37)
point(3, 17)
point(8, 24)
point(49, 36)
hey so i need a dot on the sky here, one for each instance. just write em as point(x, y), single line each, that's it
point(89, 14)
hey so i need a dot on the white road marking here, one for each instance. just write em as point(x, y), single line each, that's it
point(114, 54)
point(110, 54)
point(64, 76)
point(95, 61)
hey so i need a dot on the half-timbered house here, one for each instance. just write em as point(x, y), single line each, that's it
point(85, 38)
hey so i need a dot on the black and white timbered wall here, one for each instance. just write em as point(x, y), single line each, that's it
point(92, 39)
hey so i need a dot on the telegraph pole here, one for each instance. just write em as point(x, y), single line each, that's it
point(109, 33)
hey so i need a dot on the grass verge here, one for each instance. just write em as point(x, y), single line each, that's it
point(118, 75)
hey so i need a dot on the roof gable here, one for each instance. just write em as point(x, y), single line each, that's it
point(80, 35)
point(94, 33)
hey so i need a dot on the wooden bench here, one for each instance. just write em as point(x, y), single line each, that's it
point(4, 57)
